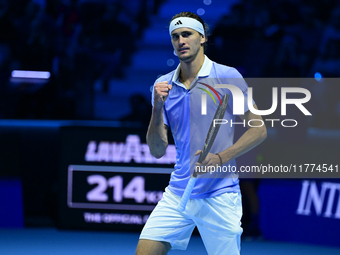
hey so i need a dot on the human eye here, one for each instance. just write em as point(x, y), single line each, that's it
point(174, 36)
point(186, 34)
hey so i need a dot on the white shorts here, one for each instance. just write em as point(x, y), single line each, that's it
point(218, 220)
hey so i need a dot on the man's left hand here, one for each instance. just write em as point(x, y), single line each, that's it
point(210, 162)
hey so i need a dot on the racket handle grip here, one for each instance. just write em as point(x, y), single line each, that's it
point(187, 192)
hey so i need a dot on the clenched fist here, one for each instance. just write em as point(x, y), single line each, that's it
point(161, 92)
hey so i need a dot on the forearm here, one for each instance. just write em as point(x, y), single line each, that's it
point(157, 137)
point(250, 139)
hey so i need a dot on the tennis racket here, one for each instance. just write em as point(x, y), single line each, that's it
point(213, 130)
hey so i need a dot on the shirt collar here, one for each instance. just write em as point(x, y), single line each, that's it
point(204, 71)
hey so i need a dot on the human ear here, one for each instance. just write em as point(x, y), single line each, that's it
point(203, 39)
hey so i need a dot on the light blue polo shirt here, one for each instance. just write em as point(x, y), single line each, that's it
point(182, 113)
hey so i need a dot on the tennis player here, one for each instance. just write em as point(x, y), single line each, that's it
point(215, 203)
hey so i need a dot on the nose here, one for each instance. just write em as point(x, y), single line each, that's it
point(181, 40)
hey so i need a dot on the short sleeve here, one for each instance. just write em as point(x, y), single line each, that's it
point(238, 80)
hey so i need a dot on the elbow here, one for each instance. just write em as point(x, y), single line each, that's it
point(157, 149)
point(158, 156)
point(259, 133)
point(157, 145)
point(157, 153)
point(264, 133)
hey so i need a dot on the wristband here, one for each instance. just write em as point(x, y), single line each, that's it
point(220, 158)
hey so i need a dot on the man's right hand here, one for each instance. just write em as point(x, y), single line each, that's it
point(161, 93)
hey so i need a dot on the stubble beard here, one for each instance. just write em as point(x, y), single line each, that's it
point(189, 58)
